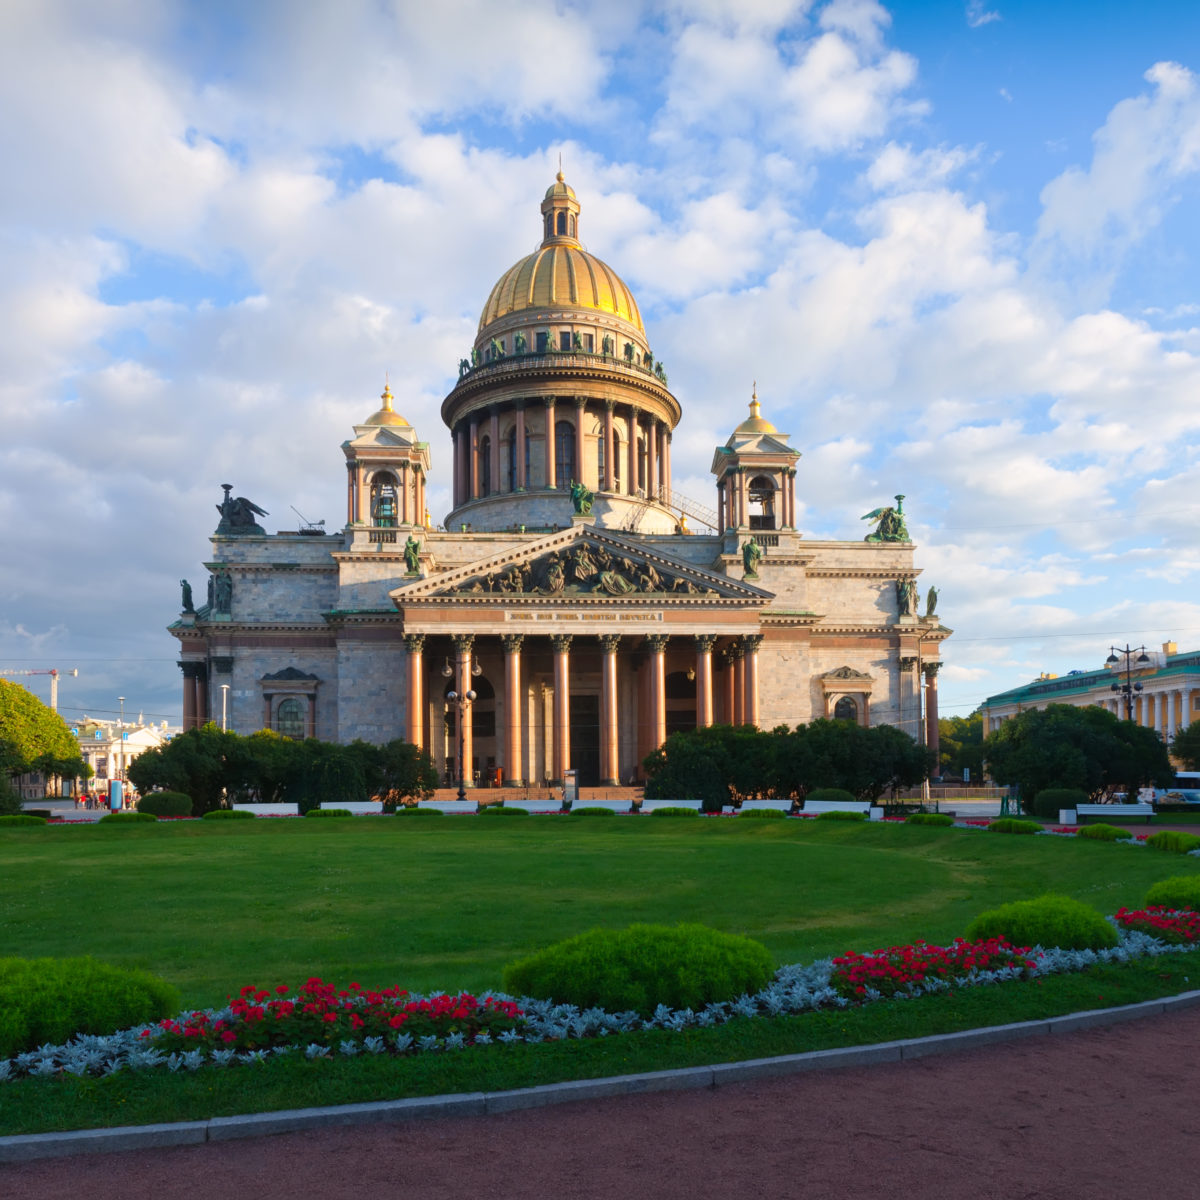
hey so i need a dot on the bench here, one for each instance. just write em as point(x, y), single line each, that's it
point(1104, 811)
point(535, 806)
point(357, 807)
point(619, 806)
point(873, 813)
point(269, 810)
point(456, 807)
point(783, 806)
point(651, 805)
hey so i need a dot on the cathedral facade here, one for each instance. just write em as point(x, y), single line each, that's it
point(572, 610)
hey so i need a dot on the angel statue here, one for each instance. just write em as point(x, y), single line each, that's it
point(237, 514)
point(931, 600)
point(890, 527)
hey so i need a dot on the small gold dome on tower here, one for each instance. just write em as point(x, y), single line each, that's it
point(386, 415)
point(755, 422)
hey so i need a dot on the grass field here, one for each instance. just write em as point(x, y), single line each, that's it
point(445, 903)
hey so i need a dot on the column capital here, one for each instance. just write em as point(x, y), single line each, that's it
point(656, 643)
point(414, 643)
point(609, 642)
point(550, 401)
point(750, 642)
point(519, 405)
point(907, 662)
point(609, 404)
point(193, 670)
point(580, 401)
point(931, 670)
point(512, 642)
point(561, 642)
point(463, 642)
point(705, 642)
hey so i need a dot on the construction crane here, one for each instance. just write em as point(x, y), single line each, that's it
point(54, 673)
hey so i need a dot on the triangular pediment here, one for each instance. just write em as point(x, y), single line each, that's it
point(580, 564)
point(847, 675)
point(384, 437)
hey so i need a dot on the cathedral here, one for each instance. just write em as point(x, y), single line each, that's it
point(572, 609)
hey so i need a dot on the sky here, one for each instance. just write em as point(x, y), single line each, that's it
point(953, 242)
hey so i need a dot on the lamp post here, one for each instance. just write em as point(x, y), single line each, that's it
point(1128, 688)
point(121, 701)
point(462, 706)
point(224, 704)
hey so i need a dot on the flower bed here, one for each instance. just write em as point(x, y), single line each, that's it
point(886, 973)
point(1176, 927)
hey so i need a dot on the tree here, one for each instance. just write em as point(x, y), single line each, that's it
point(204, 763)
point(404, 773)
point(1067, 746)
point(1185, 746)
point(29, 731)
point(960, 743)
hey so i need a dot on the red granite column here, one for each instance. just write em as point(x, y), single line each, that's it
point(415, 644)
point(610, 759)
point(931, 713)
point(562, 704)
point(704, 679)
point(513, 723)
point(656, 643)
point(549, 447)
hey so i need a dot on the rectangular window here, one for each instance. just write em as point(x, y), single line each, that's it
point(589, 343)
point(543, 341)
point(564, 341)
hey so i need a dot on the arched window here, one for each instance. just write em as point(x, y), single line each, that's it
point(562, 223)
point(383, 499)
point(762, 502)
point(846, 710)
point(290, 719)
point(512, 459)
point(485, 466)
point(564, 453)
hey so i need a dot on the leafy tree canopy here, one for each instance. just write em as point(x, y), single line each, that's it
point(960, 744)
point(30, 729)
point(1067, 746)
point(1186, 746)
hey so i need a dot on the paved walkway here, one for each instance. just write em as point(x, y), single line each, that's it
point(1107, 1114)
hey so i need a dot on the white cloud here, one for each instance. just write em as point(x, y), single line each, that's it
point(978, 14)
point(898, 168)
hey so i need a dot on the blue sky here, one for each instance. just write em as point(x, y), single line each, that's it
point(952, 241)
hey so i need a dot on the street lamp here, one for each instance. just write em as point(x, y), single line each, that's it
point(224, 704)
point(1128, 688)
point(121, 701)
point(462, 706)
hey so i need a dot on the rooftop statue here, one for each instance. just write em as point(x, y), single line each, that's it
point(931, 602)
point(581, 498)
point(906, 597)
point(411, 549)
point(187, 596)
point(751, 553)
point(237, 515)
point(890, 527)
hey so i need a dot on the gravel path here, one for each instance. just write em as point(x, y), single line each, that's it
point(1106, 1114)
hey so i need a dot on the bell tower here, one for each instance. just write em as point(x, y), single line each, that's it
point(756, 475)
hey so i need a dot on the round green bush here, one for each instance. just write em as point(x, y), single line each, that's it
point(498, 810)
point(166, 804)
point(672, 810)
point(229, 814)
point(837, 814)
point(126, 818)
point(337, 813)
point(593, 812)
point(639, 968)
point(763, 814)
point(1014, 825)
point(52, 999)
point(1180, 891)
point(831, 796)
point(22, 819)
point(1174, 842)
point(405, 811)
point(929, 819)
point(1047, 803)
point(1048, 921)
point(1104, 833)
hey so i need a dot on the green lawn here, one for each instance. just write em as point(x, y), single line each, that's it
point(446, 903)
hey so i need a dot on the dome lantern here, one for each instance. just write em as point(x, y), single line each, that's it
point(560, 214)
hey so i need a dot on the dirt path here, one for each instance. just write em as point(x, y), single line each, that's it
point(1107, 1114)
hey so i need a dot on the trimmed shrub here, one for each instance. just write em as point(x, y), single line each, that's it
point(836, 814)
point(52, 999)
point(166, 804)
point(639, 968)
point(1104, 833)
point(328, 812)
point(593, 812)
point(413, 811)
point(763, 814)
point(831, 796)
point(672, 811)
point(1047, 803)
point(929, 819)
point(22, 819)
point(1178, 892)
point(44, 813)
point(1014, 825)
point(1049, 920)
point(1174, 841)
point(126, 818)
point(498, 810)
point(228, 814)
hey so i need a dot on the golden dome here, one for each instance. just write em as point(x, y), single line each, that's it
point(755, 422)
point(560, 273)
point(386, 415)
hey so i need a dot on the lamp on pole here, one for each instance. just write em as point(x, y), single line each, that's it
point(121, 701)
point(224, 704)
point(1128, 688)
point(462, 709)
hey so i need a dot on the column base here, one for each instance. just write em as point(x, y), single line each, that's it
point(513, 783)
point(610, 783)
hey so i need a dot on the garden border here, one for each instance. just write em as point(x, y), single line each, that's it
point(29, 1147)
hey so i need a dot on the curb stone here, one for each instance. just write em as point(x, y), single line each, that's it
point(28, 1147)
